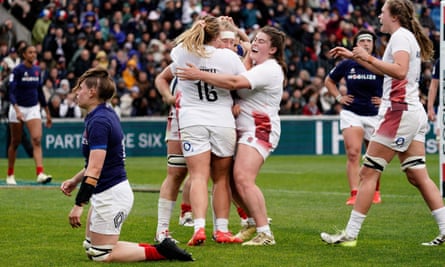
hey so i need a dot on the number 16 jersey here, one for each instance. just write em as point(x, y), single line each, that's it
point(200, 103)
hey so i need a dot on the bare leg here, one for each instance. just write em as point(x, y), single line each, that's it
point(35, 131)
point(247, 165)
point(16, 138)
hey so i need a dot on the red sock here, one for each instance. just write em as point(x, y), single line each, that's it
point(377, 186)
point(353, 193)
point(185, 208)
point(242, 214)
point(10, 171)
point(151, 253)
point(39, 170)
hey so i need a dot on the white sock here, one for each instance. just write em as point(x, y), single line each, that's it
point(165, 209)
point(222, 224)
point(354, 224)
point(199, 223)
point(264, 229)
point(251, 221)
point(439, 216)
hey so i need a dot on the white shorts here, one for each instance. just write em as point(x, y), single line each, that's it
point(261, 131)
point(110, 208)
point(221, 141)
point(262, 147)
point(29, 113)
point(399, 128)
point(172, 130)
point(367, 123)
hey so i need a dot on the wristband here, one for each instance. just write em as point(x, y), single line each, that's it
point(338, 98)
point(370, 59)
point(86, 190)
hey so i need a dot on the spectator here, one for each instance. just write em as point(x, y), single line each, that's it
point(105, 28)
point(61, 19)
point(298, 102)
point(48, 38)
point(8, 35)
point(47, 57)
point(130, 73)
point(171, 12)
point(13, 59)
point(41, 26)
point(48, 89)
point(70, 44)
point(143, 83)
point(54, 105)
point(285, 104)
point(81, 45)
point(311, 108)
point(154, 103)
point(83, 63)
point(54, 76)
point(62, 72)
point(312, 28)
point(64, 87)
point(250, 15)
point(102, 59)
point(69, 107)
point(425, 18)
point(87, 28)
point(117, 33)
point(115, 103)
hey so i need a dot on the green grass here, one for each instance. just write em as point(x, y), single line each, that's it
point(305, 195)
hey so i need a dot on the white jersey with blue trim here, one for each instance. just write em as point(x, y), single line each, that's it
point(200, 103)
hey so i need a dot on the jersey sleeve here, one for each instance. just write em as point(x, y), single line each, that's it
point(99, 130)
point(400, 42)
point(338, 72)
point(262, 75)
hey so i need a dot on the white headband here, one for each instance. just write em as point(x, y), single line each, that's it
point(365, 36)
point(227, 35)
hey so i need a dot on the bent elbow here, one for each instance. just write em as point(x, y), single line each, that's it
point(400, 76)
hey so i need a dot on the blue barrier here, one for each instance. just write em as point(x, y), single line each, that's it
point(300, 135)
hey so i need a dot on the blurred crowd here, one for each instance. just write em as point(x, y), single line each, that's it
point(133, 39)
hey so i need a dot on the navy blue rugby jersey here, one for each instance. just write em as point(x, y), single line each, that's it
point(25, 86)
point(103, 131)
point(361, 83)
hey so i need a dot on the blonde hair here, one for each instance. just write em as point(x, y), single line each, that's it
point(203, 31)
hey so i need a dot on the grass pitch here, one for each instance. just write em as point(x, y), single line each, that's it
point(305, 195)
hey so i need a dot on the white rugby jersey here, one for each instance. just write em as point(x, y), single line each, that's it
point(199, 103)
point(402, 91)
point(262, 101)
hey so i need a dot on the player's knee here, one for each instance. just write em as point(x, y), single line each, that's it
point(415, 162)
point(176, 160)
point(99, 253)
point(376, 163)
